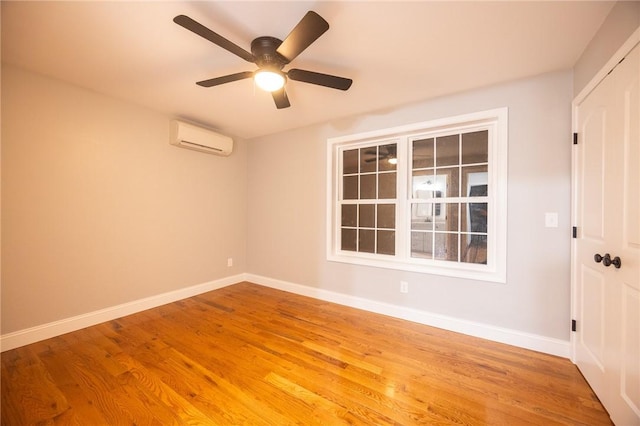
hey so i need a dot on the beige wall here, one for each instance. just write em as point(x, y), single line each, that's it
point(98, 209)
point(621, 22)
point(286, 222)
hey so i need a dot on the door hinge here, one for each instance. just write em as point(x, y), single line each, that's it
point(575, 139)
point(574, 232)
point(573, 325)
point(614, 67)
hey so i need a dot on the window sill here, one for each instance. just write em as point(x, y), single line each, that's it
point(442, 268)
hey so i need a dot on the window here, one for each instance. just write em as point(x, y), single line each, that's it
point(429, 197)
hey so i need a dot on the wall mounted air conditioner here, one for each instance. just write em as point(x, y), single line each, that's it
point(186, 135)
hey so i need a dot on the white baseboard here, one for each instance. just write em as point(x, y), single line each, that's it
point(56, 328)
point(497, 334)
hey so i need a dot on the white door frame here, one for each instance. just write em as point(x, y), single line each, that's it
point(604, 71)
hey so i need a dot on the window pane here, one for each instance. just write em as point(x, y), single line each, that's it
point(474, 249)
point(349, 239)
point(473, 177)
point(478, 191)
point(475, 147)
point(447, 150)
point(474, 217)
point(350, 161)
point(448, 181)
point(386, 216)
point(367, 216)
point(421, 245)
point(368, 159)
point(423, 153)
point(388, 157)
point(368, 186)
point(387, 185)
point(446, 246)
point(422, 216)
point(386, 242)
point(367, 240)
point(450, 222)
point(423, 184)
point(350, 187)
point(439, 213)
point(349, 215)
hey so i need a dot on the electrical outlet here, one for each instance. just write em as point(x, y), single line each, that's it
point(404, 287)
point(230, 261)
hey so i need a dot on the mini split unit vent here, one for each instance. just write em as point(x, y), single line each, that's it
point(187, 135)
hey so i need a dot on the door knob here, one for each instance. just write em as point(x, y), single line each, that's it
point(607, 261)
point(616, 262)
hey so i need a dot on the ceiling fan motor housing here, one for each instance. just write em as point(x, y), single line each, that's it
point(265, 54)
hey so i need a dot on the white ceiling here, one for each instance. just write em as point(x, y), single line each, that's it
point(396, 52)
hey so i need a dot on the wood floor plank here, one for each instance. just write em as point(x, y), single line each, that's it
point(247, 354)
point(29, 381)
point(82, 408)
point(186, 412)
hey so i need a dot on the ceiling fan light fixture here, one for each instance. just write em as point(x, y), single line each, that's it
point(269, 81)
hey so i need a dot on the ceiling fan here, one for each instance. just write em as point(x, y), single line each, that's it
point(384, 152)
point(271, 55)
point(390, 154)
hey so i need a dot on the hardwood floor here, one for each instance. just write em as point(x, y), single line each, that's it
point(247, 354)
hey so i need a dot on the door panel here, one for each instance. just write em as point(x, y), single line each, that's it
point(630, 365)
point(631, 231)
point(625, 409)
point(592, 174)
point(607, 209)
point(590, 347)
point(592, 327)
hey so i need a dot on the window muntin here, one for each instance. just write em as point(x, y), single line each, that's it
point(464, 158)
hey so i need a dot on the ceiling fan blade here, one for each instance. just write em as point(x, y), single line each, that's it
point(281, 99)
point(213, 37)
point(320, 79)
point(225, 79)
point(310, 27)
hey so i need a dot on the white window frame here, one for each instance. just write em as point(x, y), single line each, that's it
point(496, 121)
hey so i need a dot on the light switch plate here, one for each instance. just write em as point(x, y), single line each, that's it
point(551, 220)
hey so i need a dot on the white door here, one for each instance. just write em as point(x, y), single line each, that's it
point(607, 194)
